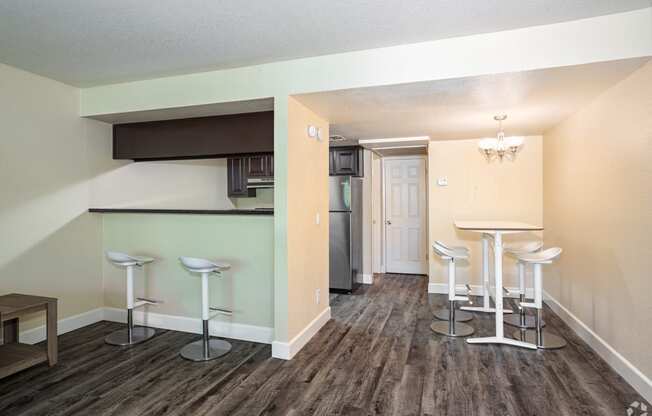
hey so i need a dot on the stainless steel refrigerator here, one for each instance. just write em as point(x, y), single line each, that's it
point(345, 232)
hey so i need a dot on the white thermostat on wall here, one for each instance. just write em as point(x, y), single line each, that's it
point(443, 181)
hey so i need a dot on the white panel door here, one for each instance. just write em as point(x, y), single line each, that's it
point(405, 216)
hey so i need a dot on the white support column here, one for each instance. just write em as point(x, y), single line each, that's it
point(486, 296)
point(485, 272)
point(538, 286)
point(498, 277)
point(130, 287)
point(451, 279)
point(521, 278)
point(204, 297)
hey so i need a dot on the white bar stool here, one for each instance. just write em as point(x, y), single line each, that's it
point(521, 320)
point(205, 349)
point(537, 336)
point(133, 334)
point(452, 327)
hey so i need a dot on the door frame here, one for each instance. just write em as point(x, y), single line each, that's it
point(384, 207)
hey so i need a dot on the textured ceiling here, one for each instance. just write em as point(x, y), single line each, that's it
point(464, 108)
point(86, 43)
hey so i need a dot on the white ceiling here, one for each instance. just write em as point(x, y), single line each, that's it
point(86, 43)
point(464, 108)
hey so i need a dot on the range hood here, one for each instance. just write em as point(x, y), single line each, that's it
point(260, 183)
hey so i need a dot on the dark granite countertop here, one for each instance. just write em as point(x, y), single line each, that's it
point(265, 211)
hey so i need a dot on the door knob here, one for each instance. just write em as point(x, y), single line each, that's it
point(388, 222)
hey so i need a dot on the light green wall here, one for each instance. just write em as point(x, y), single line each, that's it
point(244, 241)
point(281, 294)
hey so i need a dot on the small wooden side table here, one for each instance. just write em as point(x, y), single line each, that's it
point(15, 356)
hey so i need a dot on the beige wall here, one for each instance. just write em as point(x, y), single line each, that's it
point(49, 244)
point(478, 190)
point(307, 193)
point(598, 208)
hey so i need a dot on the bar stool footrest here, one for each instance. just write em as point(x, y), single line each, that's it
point(221, 311)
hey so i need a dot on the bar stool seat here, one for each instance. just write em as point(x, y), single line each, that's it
point(450, 325)
point(537, 336)
point(132, 334)
point(205, 349)
point(521, 319)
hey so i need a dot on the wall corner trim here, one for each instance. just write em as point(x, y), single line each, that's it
point(287, 350)
point(639, 381)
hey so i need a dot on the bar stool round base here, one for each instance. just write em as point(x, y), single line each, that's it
point(515, 320)
point(461, 330)
point(138, 335)
point(195, 350)
point(460, 316)
point(550, 341)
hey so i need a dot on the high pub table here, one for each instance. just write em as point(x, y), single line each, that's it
point(495, 229)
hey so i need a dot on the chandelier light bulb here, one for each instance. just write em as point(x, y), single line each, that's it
point(501, 146)
point(487, 144)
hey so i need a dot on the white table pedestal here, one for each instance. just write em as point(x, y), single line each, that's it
point(497, 229)
point(486, 304)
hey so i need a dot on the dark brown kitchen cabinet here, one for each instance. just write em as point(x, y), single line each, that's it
point(331, 163)
point(237, 177)
point(346, 161)
point(240, 169)
point(260, 166)
point(211, 137)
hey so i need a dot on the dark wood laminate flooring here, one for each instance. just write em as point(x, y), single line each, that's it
point(376, 356)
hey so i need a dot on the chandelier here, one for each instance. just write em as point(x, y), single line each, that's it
point(501, 147)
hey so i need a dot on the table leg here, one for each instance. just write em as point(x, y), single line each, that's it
point(499, 338)
point(51, 331)
point(486, 304)
point(498, 277)
point(10, 331)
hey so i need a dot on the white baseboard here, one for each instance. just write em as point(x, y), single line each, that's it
point(36, 335)
point(368, 279)
point(243, 332)
point(627, 370)
point(476, 290)
point(287, 350)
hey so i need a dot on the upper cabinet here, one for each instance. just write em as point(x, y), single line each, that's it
point(243, 168)
point(195, 138)
point(260, 166)
point(347, 160)
point(237, 177)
